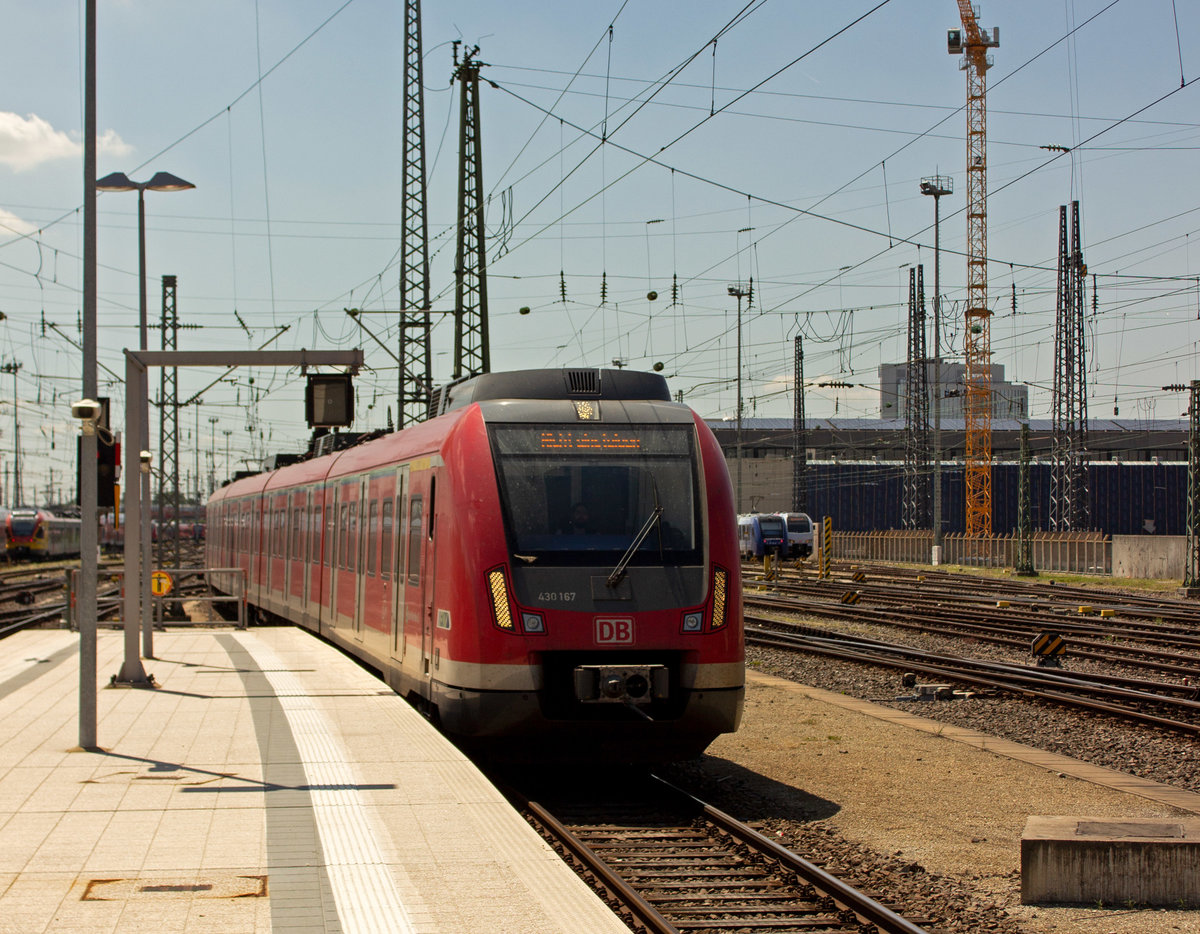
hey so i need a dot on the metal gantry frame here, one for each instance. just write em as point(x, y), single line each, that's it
point(416, 356)
point(471, 353)
point(137, 467)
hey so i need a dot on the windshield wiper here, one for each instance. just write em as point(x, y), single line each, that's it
point(618, 573)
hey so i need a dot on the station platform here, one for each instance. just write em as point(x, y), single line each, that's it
point(268, 784)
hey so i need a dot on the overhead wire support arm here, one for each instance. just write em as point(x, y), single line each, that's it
point(283, 329)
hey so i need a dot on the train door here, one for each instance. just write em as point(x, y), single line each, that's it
point(413, 569)
point(325, 589)
point(345, 591)
point(393, 529)
point(311, 533)
point(362, 542)
point(428, 569)
point(297, 520)
point(375, 580)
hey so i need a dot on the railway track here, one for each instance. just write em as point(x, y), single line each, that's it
point(671, 863)
point(1166, 648)
point(1153, 703)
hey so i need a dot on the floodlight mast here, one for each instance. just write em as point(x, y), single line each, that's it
point(936, 186)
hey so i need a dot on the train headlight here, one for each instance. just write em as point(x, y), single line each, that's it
point(693, 622)
point(533, 623)
point(501, 612)
point(719, 598)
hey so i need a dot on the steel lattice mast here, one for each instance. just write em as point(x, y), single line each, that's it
point(168, 430)
point(799, 437)
point(972, 42)
point(471, 355)
point(1068, 474)
point(416, 358)
point(916, 408)
point(1191, 568)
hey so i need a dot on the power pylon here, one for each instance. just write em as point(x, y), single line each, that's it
point(799, 437)
point(416, 358)
point(972, 42)
point(916, 409)
point(471, 355)
point(1068, 471)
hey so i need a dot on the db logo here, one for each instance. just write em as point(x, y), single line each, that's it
point(614, 631)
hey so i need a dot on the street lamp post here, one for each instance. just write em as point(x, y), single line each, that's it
point(738, 292)
point(212, 454)
point(137, 511)
point(936, 186)
point(16, 484)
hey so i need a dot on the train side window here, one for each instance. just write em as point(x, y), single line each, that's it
point(385, 542)
point(328, 554)
point(353, 544)
point(415, 508)
point(372, 535)
point(344, 518)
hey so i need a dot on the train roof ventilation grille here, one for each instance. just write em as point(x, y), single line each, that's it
point(583, 382)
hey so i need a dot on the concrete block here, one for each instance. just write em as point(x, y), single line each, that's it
point(1097, 860)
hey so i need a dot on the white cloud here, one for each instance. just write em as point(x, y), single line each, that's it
point(28, 141)
point(11, 224)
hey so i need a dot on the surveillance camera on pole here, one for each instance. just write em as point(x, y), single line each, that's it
point(88, 412)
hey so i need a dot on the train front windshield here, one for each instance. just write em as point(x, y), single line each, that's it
point(582, 495)
point(23, 523)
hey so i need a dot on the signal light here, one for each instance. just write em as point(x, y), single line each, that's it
point(108, 455)
point(106, 470)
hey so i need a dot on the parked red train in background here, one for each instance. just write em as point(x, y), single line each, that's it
point(446, 556)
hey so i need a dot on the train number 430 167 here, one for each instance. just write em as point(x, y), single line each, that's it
point(556, 596)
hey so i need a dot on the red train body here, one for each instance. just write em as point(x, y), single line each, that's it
point(443, 556)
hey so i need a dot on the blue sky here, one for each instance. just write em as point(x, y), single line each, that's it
point(790, 150)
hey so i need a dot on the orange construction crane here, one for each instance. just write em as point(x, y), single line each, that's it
point(972, 42)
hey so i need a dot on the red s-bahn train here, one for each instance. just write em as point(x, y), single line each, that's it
point(548, 567)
